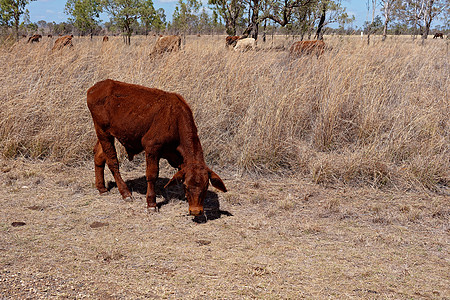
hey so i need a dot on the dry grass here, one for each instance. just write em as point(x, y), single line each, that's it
point(375, 115)
point(323, 135)
point(297, 240)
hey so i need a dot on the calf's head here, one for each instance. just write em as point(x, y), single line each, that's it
point(196, 179)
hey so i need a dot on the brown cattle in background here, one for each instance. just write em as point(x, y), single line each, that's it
point(34, 38)
point(105, 38)
point(157, 122)
point(232, 40)
point(307, 47)
point(438, 35)
point(62, 42)
point(168, 43)
point(49, 36)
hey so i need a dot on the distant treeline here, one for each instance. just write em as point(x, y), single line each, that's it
point(309, 19)
point(51, 28)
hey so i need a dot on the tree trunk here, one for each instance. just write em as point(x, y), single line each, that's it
point(253, 26)
point(231, 30)
point(384, 32)
point(16, 25)
point(264, 32)
point(319, 33)
point(386, 19)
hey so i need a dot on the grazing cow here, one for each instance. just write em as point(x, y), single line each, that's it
point(105, 38)
point(307, 47)
point(34, 38)
point(232, 40)
point(167, 43)
point(438, 35)
point(62, 42)
point(157, 122)
point(49, 36)
point(245, 44)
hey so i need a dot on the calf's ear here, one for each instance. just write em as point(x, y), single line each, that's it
point(216, 181)
point(178, 177)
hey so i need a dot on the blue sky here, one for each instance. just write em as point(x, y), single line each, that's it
point(53, 10)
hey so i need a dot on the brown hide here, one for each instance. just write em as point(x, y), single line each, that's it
point(157, 122)
point(438, 35)
point(105, 38)
point(307, 47)
point(167, 43)
point(232, 40)
point(62, 42)
point(35, 38)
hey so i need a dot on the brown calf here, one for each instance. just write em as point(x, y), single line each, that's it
point(157, 122)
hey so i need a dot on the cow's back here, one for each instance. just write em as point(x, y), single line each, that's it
point(129, 112)
point(63, 41)
point(167, 44)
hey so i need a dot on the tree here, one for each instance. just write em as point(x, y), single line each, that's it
point(149, 17)
point(369, 27)
point(160, 21)
point(387, 7)
point(124, 13)
point(230, 11)
point(373, 27)
point(10, 12)
point(282, 12)
point(184, 17)
point(27, 25)
point(336, 13)
point(85, 14)
point(204, 22)
point(62, 28)
point(421, 13)
point(432, 9)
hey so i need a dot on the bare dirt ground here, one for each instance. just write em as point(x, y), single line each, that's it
point(265, 238)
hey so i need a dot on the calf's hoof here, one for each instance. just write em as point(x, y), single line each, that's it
point(102, 190)
point(152, 209)
point(128, 199)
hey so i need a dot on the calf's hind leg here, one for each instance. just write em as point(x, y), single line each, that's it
point(99, 162)
point(151, 175)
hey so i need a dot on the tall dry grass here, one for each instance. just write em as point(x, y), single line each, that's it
point(376, 115)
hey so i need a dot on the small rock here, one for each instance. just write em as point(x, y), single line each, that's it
point(17, 224)
point(98, 224)
point(36, 207)
point(203, 242)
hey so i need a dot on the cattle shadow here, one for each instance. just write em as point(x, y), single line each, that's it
point(211, 205)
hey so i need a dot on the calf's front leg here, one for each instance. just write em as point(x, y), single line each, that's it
point(113, 164)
